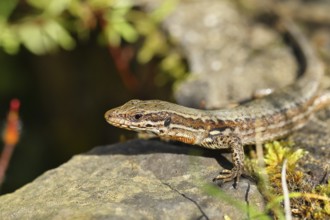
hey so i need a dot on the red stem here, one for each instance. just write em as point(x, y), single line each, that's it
point(4, 160)
point(122, 58)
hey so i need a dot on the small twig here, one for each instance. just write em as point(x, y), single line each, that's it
point(287, 206)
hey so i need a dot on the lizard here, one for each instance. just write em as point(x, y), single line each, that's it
point(264, 119)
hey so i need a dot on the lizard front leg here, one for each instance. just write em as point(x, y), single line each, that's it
point(237, 154)
point(236, 147)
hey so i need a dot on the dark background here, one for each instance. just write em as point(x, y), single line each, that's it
point(64, 96)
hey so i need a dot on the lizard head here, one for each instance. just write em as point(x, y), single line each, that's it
point(143, 116)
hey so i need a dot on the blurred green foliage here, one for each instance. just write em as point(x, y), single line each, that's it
point(45, 26)
point(50, 60)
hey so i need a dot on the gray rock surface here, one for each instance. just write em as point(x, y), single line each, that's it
point(133, 180)
point(230, 56)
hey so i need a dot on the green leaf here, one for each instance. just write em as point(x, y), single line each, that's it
point(112, 36)
point(39, 3)
point(45, 37)
point(122, 4)
point(126, 31)
point(59, 35)
point(164, 10)
point(52, 7)
point(154, 44)
point(32, 38)
point(8, 39)
point(56, 7)
point(6, 8)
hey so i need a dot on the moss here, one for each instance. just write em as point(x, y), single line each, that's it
point(308, 201)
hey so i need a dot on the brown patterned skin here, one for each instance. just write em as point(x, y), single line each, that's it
point(267, 118)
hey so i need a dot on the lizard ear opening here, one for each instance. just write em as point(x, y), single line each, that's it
point(167, 121)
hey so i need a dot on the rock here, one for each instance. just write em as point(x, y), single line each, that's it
point(230, 55)
point(138, 179)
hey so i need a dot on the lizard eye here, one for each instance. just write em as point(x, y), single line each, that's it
point(137, 116)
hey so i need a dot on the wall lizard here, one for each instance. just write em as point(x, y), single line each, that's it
point(269, 117)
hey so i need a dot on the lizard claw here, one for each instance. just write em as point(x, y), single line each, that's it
point(227, 175)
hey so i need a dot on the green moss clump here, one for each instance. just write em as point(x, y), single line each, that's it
point(308, 201)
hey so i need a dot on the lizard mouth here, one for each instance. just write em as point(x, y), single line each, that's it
point(112, 118)
point(115, 121)
point(118, 121)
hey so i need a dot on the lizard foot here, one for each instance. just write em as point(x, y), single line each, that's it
point(227, 175)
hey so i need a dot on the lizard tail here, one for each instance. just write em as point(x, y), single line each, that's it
point(322, 100)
